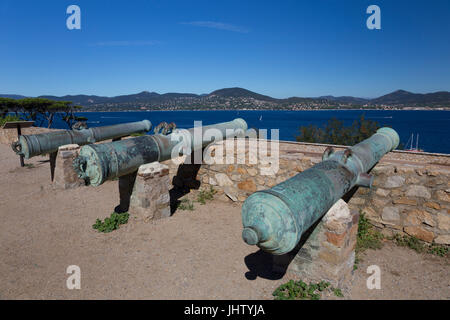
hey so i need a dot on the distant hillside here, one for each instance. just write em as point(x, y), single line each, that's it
point(240, 98)
point(240, 93)
point(80, 99)
point(405, 97)
point(142, 97)
point(346, 99)
point(12, 96)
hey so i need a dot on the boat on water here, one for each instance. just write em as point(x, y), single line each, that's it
point(410, 144)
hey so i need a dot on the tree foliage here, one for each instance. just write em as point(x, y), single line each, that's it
point(40, 110)
point(335, 132)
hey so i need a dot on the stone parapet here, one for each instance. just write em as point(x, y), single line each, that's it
point(410, 194)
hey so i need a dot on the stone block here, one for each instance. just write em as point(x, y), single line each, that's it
point(443, 221)
point(150, 197)
point(65, 175)
point(382, 192)
point(247, 185)
point(418, 191)
point(394, 182)
point(432, 205)
point(406, 201)
point(223, 180)
point(443, 239)
point(328, 252)
point(443, 195)
point(390, 215)
point(420, 233)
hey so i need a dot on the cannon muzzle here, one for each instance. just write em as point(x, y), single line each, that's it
point(275, 219)
point(37, 144)
point(98, 163)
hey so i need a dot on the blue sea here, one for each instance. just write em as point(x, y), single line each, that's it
point(433, 127)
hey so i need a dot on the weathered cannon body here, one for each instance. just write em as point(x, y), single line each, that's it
point(101, 162)
point(37, 144)
point(275, 219)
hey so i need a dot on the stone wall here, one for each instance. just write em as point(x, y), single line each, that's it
point(411, 191)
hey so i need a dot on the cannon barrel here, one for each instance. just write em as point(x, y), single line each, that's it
point(37, 144)
point(275, 219)
point(101, 162)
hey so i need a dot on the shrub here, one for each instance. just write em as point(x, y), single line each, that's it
point(8, 118)
point(336, 133)
point(111, 223)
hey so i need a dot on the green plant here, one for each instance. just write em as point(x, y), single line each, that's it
point(299, 290)
point(186, 204)
point(410, 242)
point(367, 238)
point(206, 195)
point(420, 246)
point(337, 292)
point(356, 263)
point(335, 132)
point(8, 118)
point(111, 223)
point(439, 250)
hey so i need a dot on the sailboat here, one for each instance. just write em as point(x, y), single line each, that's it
point(260, 118)
point(411, 148)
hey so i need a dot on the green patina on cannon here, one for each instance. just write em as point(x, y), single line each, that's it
point(101, 162)
point(37, 144)
point(275, 219)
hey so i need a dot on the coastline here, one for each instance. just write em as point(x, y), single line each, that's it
point(190, 110)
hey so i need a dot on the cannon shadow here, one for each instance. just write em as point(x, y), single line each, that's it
point(183, 182)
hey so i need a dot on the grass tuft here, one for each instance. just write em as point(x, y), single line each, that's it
point(206, 195)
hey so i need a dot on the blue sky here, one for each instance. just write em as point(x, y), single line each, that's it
point(278, 48)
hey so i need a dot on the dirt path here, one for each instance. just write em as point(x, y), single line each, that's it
point(192, 255)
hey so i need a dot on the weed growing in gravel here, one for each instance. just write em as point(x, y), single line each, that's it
point(439, 250)
point(186, 204)
point(202, 197)
point(420, 246)
point(206, 195)
point(299, 290)
point(367, 238)
point(111, 223)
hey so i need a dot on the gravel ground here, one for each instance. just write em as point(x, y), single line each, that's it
point(192, 255)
